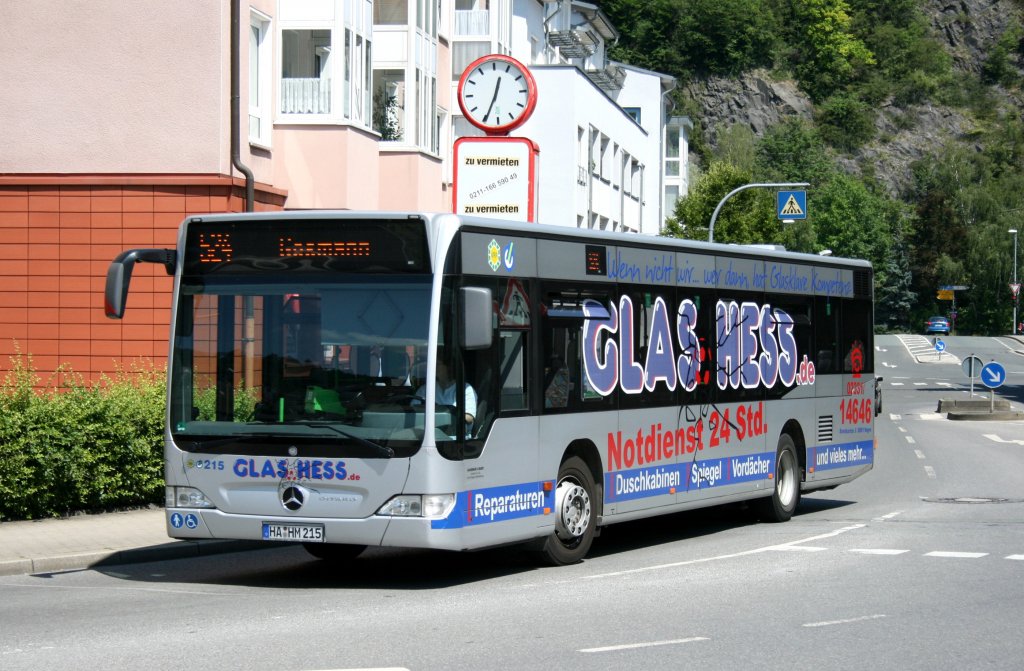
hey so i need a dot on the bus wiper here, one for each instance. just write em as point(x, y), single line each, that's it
point(247, 438)
point(382, 451)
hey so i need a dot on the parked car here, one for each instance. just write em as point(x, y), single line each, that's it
point(937, 325)
point(878, 396)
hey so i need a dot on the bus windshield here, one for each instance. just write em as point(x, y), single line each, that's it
point(332, 366)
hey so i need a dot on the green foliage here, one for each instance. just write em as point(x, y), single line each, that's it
point(747, 217)
point(686, 37)
point(793, 151)
point(999, 67)
point(828, 57)
point(79, 447)
point(845, 122)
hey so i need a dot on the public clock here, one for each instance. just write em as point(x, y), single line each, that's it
point(497, 93)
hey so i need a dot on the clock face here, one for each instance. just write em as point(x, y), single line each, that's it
point(497, 93)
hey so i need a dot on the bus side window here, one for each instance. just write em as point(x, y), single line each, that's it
point(556, 382)
point(512, 372)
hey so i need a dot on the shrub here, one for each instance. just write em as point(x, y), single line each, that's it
point(74, 446)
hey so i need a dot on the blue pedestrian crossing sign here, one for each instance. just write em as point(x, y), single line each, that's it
point(791, 204)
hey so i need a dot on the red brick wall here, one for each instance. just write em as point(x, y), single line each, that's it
point(58, 235)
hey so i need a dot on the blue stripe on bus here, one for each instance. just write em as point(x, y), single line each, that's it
point(509, 502)
point(843, 455)
point(688, 476)
point(499, 504)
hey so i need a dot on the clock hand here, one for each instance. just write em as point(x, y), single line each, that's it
point(493, 98)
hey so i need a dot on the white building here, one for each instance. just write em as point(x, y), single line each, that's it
point(602, 127)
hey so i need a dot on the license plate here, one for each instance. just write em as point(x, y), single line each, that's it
point(306, 533)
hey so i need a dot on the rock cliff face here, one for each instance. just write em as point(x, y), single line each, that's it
point(966, 28)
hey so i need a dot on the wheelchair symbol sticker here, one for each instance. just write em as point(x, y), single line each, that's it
point(191, 521)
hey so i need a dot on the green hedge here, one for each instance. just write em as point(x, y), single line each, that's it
point(79, 447)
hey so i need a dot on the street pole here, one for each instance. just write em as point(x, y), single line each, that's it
point(1014, 231)
point(711, 229)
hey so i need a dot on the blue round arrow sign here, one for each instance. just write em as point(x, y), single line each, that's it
point(993, 374)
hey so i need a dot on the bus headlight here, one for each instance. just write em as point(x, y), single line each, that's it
point(419, 505)
point(186, 497)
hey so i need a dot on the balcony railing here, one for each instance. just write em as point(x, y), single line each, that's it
point(575, 43)
point(470, 22)
point(306, 95)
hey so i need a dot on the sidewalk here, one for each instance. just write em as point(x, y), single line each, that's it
point(107, 539)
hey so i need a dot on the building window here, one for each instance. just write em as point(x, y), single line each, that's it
point(633, 112)
point(306, 71)
point(391, 12)
point(260, 51)
point(325, 61)
point(389, 104)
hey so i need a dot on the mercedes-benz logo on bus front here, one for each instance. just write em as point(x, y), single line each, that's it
point(293, 497)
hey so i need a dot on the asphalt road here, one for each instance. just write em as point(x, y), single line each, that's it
point(917, 565)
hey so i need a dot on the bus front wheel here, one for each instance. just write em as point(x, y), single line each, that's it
point(575, 514)
point(781, 505)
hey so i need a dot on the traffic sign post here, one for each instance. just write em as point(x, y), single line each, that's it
point(940, 347)
point(972, 368)
point(993, 375)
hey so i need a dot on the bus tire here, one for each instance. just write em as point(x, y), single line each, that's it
point(334, 552)
point(781, 505)
point(575, 514)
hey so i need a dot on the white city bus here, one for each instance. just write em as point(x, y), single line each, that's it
point(612, 377)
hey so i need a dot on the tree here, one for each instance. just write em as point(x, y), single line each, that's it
point(747, 218)
point(827, 55)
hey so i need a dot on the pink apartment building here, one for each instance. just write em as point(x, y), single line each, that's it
point(118, 121)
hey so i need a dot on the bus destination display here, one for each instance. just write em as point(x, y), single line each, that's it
point(236, 247)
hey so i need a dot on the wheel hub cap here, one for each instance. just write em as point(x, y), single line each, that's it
point(573, 506)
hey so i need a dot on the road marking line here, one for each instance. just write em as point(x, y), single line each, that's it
point(995, 438)
point(1017, 557)
point(919, 453)
point(956, 555)
point(920, 384)
point(650, 644)
point(895, 417)
point(887, 516)
point(734, 555)
point(930, 415)
point(797, 548)
point(878, 551)
point(930, 471)
point(829, 623)
point(910, 439)
point(896, 384)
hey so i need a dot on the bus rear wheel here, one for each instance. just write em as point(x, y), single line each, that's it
point(334, 552)
point(781, 505)
point(575, 514)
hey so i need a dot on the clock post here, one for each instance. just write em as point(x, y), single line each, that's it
point(496, 176)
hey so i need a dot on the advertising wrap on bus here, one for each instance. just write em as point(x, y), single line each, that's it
point(348, 379)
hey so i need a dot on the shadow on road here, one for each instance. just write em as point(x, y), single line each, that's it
point(290, 567)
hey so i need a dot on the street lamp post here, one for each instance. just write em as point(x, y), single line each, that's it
point(1014, 231)
point(773, 185)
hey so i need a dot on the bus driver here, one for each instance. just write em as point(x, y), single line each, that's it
point(445, 393)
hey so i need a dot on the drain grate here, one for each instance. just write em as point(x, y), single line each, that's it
point(969, 499)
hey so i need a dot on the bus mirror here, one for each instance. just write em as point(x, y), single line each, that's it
point(475, 330)
point(119, 276)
